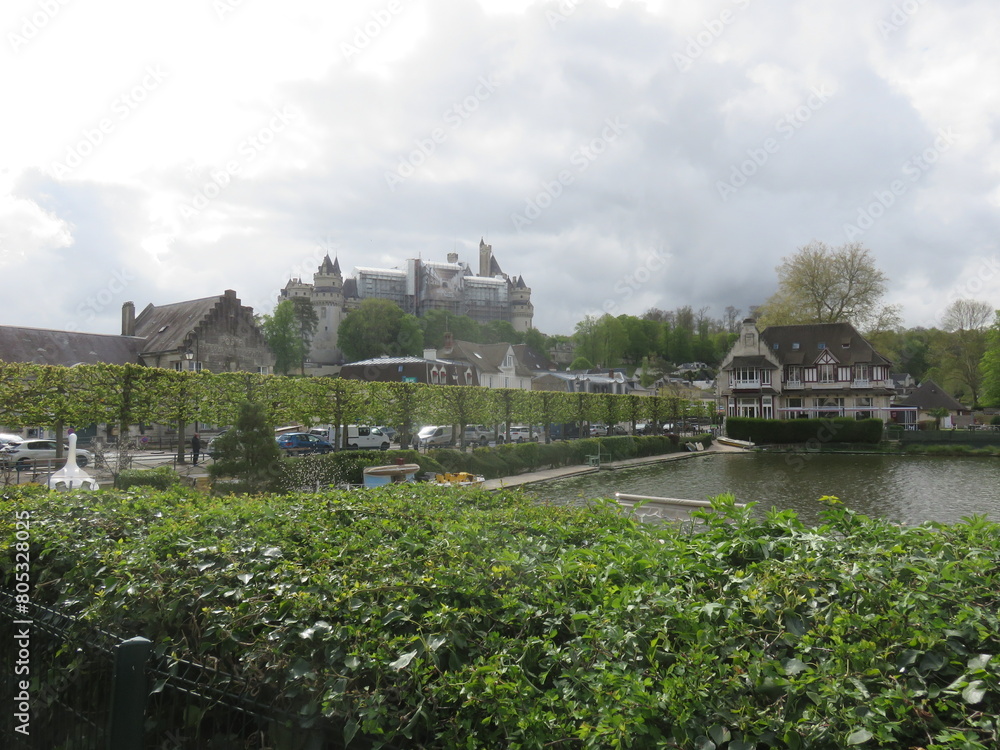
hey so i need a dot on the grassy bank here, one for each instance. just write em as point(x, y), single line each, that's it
point(423, 617)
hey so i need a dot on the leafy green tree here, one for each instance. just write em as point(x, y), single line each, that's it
point(248, 451)
point(308, 322)
point(581, 363)
point(822, 284)
point(499, 331)
point(536, 340)
point(960, 351)
point(990, 364)
point(435, 323)
point(601, 340)
point(379, 327)
point(283, 333)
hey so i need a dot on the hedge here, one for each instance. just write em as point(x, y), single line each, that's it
point(424, 617)
point(834, 430)
point(511, 459)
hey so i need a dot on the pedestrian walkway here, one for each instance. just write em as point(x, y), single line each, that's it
point(562, 472)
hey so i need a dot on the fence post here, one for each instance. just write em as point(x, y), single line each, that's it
point(128, 695)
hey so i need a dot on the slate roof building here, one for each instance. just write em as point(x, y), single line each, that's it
point(799, 371)
point(219, 333)
point(496, 365)
point(430, 370)
point(928, 397)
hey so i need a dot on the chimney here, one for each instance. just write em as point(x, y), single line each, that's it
point(128, 319)
point(449, 341)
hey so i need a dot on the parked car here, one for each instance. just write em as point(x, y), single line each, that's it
point(478, 434)
point(21, 454)
point(598, 430)
point(303, 443)
point(521, 433)
point(359, 436)
point(389, 432)
point(436, 436)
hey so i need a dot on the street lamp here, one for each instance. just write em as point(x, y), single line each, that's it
point(189, 355)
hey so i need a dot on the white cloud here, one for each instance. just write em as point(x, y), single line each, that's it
point(178, 110)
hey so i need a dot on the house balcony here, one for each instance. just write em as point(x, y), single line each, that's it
point(794, 385)
point(745, 384)
point(861, 383)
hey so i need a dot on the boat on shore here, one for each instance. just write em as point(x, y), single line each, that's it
point(379, 476)
point(733, 442)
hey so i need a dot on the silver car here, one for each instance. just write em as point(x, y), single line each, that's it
point(23, 453)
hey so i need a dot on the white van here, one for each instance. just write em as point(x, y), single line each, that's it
point(436, 436)
point(359, 436)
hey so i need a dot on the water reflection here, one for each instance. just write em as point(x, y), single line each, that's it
point(904, 489)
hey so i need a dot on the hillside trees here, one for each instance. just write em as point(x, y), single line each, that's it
point(959, 353)
point(990, 365)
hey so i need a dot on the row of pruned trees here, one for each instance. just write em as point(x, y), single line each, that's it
point(125, 395)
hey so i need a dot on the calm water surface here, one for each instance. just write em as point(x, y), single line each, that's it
point(905, 489)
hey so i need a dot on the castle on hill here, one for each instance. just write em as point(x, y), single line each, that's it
point(423, 285)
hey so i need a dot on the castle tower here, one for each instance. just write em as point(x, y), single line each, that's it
point(485, 258)
point(521, 309)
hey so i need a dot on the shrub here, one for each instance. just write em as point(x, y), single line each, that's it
point(161, 478)
point(835, 430)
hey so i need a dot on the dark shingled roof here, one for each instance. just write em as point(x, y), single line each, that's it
point(758, 362)
point(841, 339)
point(350, 288)
point(67, 348)
point(929, 395)
point(166, 327)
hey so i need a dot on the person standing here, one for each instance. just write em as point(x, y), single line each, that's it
point(195, 448)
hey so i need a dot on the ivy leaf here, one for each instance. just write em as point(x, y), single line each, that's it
point(974, 692)
point(404, 660)
point(859, 737)
point(793, 667)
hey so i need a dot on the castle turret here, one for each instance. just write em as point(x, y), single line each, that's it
point(521, 310)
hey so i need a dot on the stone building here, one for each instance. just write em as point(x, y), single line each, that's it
point(218, 334)
point(421, 286)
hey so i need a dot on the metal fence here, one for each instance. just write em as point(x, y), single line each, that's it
point(91, 690)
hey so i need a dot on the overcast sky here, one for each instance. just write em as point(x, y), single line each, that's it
point(618, 155)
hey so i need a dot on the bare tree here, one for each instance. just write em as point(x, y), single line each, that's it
point(967, 315)
point(820, 284)
point(731, 319)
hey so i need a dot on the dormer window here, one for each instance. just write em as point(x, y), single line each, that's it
point(821, 345)
point(795, 346)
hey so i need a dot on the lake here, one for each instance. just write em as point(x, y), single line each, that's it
point(904, 489)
